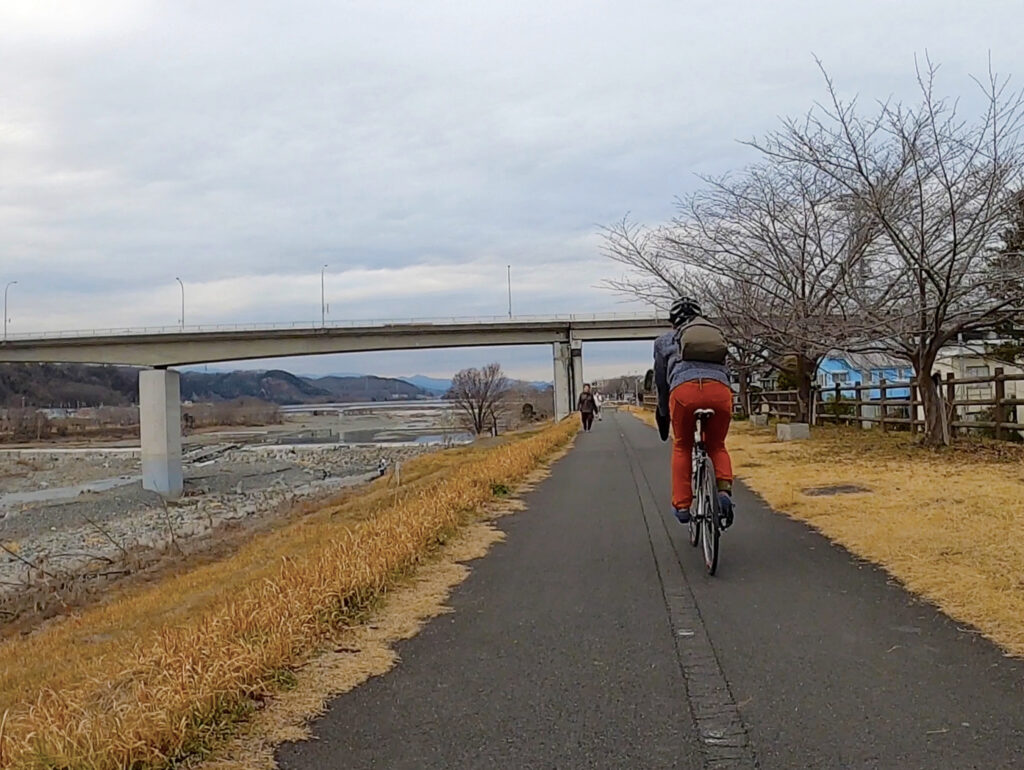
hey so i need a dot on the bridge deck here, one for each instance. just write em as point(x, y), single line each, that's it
point(164, 347)
point(592, 638)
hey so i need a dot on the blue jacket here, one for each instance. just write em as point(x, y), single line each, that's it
point(670, 370)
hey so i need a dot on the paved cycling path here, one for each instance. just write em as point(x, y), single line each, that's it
point(592, 638)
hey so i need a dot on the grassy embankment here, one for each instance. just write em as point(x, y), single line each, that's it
point(947, 524)
point(163, 672)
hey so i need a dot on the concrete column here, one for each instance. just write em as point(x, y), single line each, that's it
point(563, 378)
point(160, 426)
point(577, 370)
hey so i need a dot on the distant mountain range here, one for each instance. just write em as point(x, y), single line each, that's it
point(82, 385)
point(67, 384)
point(442, 386)
point(430, 384)
point(85, 385)
point(281, 387)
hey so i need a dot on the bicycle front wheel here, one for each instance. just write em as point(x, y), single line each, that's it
point(710, 516)
point(695, 504)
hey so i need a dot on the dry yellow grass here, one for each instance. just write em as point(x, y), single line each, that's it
point(160, 673)
point(947, 524)
point(354, 656)
point(646, 415)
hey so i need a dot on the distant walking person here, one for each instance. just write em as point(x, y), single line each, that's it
point(598, 403)
point(586, 406)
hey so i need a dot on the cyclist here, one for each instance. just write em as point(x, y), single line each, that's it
point(683, 387)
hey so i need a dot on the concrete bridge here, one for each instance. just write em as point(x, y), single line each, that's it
point(161, 348)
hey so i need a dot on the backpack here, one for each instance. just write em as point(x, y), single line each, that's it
point(701, 340)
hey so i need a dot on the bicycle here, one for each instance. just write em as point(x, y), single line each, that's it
point(705, 512)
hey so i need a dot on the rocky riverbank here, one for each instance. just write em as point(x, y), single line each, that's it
point(56, 530)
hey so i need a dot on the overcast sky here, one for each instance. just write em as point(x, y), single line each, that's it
point(416, 148)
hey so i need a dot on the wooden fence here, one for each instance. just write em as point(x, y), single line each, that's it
point(650, 402)
point(972, 403)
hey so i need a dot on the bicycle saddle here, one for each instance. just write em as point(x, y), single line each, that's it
point(704, 413)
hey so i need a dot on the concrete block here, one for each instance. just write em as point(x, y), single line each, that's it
point(793, 431)
point(759, 420)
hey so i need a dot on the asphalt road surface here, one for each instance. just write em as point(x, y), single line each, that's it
point(592, 638)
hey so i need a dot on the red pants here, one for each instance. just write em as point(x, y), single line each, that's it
point(682, 402)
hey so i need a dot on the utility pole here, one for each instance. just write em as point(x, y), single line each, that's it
point(6, 288)
point(510, 291)
point(182, 303)
point(323, 304)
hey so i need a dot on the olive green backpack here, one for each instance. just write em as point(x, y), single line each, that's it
point(701, 340)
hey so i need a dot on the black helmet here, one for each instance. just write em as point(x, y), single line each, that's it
point(683, 311)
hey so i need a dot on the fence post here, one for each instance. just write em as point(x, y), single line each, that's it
point(915, 397)
point(951, 402)
point(881, 401)
point(1000, 410)
point(839, 395)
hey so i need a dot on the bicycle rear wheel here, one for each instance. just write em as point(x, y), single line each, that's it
point(710, 515)
point(695, 504)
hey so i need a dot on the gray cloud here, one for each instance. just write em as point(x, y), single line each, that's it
point(242, 145)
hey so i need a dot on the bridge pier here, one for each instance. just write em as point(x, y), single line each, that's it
point(576, 348)
point(562, 380)
point(568, 376)
point(160, 429)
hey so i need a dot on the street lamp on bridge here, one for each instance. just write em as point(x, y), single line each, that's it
point(6, 289)
point(182, 302)
point(323, 304)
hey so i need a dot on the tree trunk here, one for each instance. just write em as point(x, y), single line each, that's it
point(805, 381)
point(744, 394)
point(936, 432)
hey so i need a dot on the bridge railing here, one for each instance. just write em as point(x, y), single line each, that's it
point(364, 323)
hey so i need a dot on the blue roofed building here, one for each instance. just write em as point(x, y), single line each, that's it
point(839, 368)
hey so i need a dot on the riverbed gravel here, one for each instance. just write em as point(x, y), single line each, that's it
point(75, 535)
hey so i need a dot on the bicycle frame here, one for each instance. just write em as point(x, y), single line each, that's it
point(704, 514)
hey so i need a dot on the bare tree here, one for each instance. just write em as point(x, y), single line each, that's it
point(653, 276)
point(721, 298)
point(1007, 265)
point(767, 252)
point(939, 191)
point(783, 249)
point(479, 394)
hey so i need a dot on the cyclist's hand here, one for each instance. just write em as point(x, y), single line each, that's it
point(663, 425)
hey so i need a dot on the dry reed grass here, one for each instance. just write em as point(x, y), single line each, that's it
point(163, 673)
point(947, 524)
